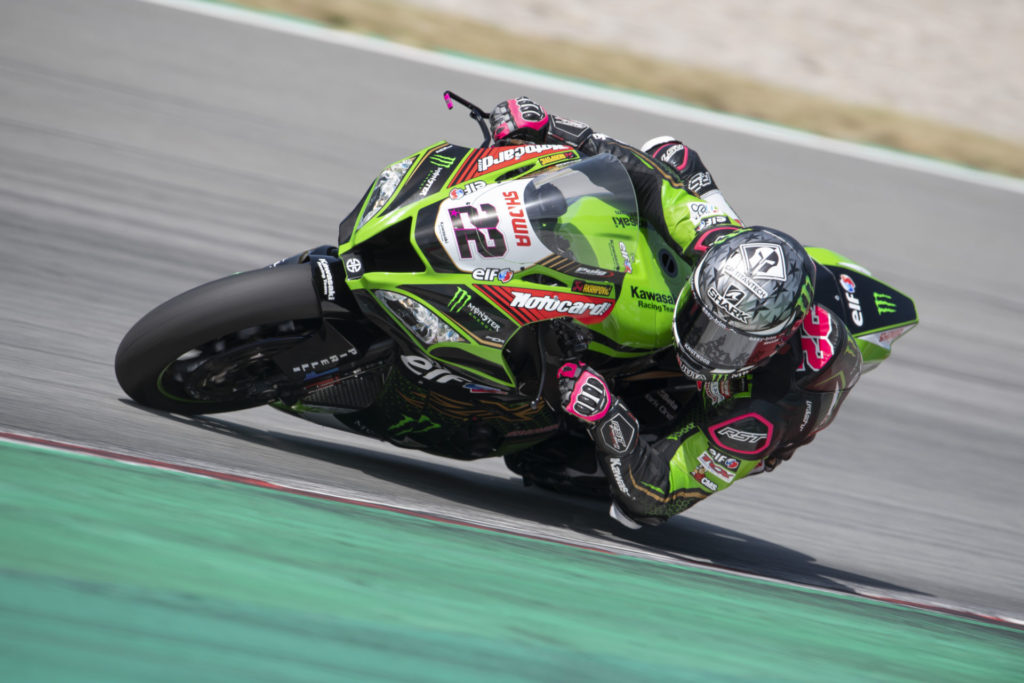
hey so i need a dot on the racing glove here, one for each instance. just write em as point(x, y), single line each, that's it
point(584, 393)
point(520, 118)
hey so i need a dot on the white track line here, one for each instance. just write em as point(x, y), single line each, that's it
point(596, 93)
point(295, 487)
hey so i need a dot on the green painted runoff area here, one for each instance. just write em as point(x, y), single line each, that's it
point(116, 572)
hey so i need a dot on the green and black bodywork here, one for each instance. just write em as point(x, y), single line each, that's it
point(488, 266)
point(462, 280)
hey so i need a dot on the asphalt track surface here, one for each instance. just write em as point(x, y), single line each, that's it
point(145, 150)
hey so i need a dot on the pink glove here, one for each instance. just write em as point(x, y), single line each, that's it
point(584, 393)
point(520, 118)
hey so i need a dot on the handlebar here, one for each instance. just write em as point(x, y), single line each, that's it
point(476, 112)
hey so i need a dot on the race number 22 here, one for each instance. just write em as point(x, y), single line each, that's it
point(479, 226)
point(814, 332)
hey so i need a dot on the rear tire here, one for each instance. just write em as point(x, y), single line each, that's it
point(204, 351)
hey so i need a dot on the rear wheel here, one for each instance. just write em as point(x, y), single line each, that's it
point(211, 349)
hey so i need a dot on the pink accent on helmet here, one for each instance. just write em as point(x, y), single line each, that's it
point(714, 429)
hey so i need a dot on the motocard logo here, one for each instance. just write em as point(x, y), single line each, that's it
point(555, 303)
point(505, 156)
point(530, 306)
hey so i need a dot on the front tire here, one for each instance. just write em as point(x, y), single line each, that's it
point(209, 350)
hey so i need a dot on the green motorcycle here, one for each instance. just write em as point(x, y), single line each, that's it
point(461, 281)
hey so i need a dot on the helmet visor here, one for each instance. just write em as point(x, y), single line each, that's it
point(712, 346)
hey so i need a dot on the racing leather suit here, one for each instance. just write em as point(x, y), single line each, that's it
point(735, 426)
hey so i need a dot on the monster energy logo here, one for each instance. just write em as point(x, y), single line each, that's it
point(884, 303)
point(442, 160)
point(459, 301)
point(407, 426)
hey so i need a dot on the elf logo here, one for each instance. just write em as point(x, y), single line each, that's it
point(852, 302)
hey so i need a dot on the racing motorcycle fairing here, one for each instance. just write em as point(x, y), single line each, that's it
point(471, 246)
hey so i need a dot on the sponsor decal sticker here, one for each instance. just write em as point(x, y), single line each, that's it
point(460, 192)
point(462, 302)
point(698, 182)
point(698, 474)
point(616, 467)
point(847, 283)
point(326, 278)
point(618, 434)
point(626, 263)
point(520, 227)
point(747, 281)
point(555, 158)
point(353, 267)
point(442, 160)
point(750, 434)
point(502, 275)
point(587, 270)
point(592, 288)
point(501, 157)
point(764, 261)
point(530, 305)
point(434, 372)
point(729, 302)
point(884, 303)
point(429, 182)
point(708, 463)
point(814, 340)
point(459, 300)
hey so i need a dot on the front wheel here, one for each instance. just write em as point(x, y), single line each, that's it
point(211, 349)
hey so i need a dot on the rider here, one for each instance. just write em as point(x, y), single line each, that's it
point(772, 362)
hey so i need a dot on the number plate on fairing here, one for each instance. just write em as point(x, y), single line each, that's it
point(489, 229)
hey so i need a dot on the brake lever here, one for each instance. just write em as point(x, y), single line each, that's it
point(478, 114)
